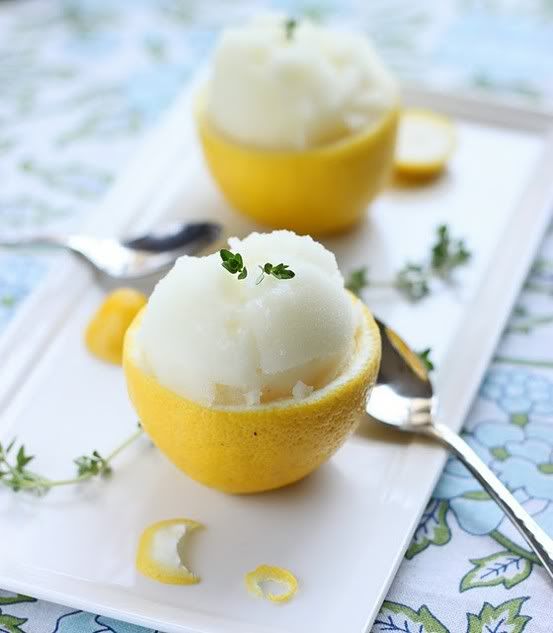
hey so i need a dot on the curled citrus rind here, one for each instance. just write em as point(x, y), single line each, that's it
point(158, 555)
point(105, 332)
point(425, 143)
point(268, 573)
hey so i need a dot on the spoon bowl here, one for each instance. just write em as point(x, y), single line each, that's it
point(404, 398)
point(403, 395)
point(139, 261)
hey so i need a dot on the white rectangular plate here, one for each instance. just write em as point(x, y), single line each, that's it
point(342, 531)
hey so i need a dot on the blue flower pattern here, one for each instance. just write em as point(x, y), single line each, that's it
point(520, 452)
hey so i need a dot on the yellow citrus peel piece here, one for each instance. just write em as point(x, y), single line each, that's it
point(425, 143)
point(158, 554)
point(268, 573)
point(106, 330)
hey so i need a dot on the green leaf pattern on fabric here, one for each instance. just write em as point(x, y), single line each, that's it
point(505, 618)
point(398, 617)
point(17, 599)
point(502, 568)
point(432, 529)
point(11, 624)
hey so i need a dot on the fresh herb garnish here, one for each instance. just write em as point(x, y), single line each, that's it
point(233, 263)
point(280, 271)
point(15, 474)
point(425, 358)
point(413, 280)
point(92, 465)
point(447, 253)
point(358, 280)
point(290, 25)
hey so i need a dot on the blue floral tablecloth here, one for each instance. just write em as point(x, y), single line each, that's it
point(81, 80)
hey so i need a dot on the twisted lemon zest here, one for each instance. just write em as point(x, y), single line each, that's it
point(147, 564)
point(268, 573)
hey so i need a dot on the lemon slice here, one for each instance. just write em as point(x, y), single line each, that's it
point(158, 554)
point(105, 333)
point(425, 143)
point(256, 579)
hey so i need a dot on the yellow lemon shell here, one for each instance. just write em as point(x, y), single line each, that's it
point(318, 191)
point(246, 450)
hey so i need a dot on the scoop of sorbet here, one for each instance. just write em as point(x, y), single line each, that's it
point(280, 88)
point(219, 340)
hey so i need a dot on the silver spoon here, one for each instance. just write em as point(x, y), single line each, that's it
point(403, 398)
point(139, 261)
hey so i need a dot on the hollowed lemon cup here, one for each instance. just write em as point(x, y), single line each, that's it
point(317, 191)
point(252, 449)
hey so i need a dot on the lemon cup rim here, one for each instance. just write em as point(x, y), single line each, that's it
point(342, 145)
point(365, 358)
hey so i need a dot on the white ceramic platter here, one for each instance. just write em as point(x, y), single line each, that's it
point(342, 531)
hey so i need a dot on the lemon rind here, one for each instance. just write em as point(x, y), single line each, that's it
point(150, 568)
point(366, 351)
point(247, 450)
point(275, 574)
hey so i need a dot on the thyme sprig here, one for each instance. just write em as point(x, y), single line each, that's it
point(414, 279)
point(234, 263)
point(16, 475)
point(290, 25)
point(280, 271)
point(424, 355)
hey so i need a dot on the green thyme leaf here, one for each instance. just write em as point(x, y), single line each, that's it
point(15, 475)
point(92, 465)
point(22, 460)
point(358, 280)
point(234, 263)
point(280, 271)
point(424, 355)
point(225, 255)
point(412, 281)
point(290, 25)
point(447, 254)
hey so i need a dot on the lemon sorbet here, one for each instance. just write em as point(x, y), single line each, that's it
point(249, 368)
point(298, 123)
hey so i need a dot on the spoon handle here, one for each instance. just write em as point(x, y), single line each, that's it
point(538, 540)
